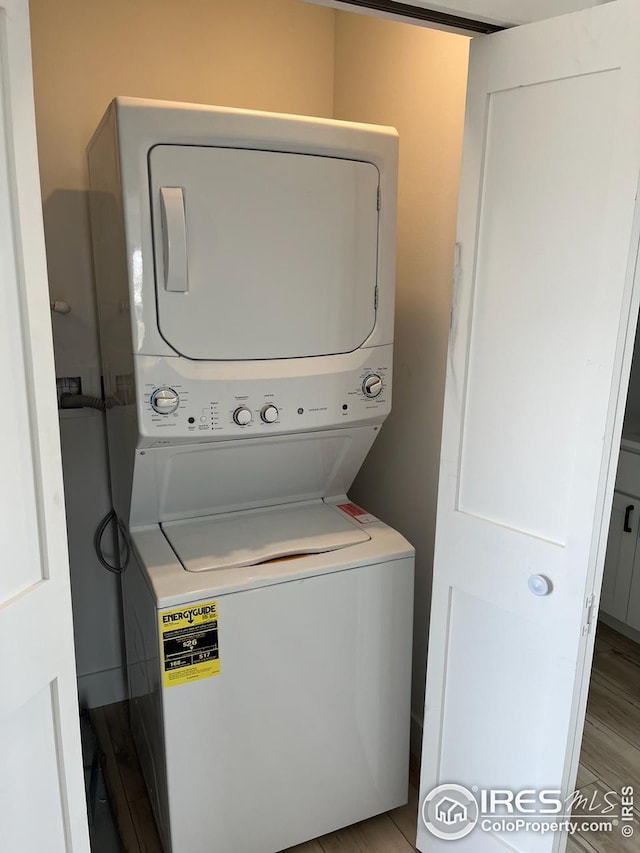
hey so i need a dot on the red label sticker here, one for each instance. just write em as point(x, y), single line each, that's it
point(357, 513)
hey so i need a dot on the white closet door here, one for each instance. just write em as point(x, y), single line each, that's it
point(42, 802)
point(539, 355)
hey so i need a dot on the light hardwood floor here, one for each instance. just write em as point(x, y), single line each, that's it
point(610, 758)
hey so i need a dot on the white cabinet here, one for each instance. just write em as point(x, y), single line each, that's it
point(620, 596)
point(619, 560)
point(633, 611)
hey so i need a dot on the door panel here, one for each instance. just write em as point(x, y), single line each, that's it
point(42, 802)
point(28, 738)
point(263, 254)
point(539, 356)
point(516, 465)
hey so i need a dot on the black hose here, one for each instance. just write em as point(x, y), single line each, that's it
point(97, 543)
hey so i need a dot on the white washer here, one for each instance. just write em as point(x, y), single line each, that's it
point(245, 279)
point(305, 727)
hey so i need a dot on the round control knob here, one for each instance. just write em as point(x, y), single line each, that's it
point(269, 414)
point(372, 385)
point(242, 416)
point(164, 401)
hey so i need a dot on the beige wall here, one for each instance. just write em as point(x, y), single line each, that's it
point(415, 80)
point(262, 54)
point(274, 55)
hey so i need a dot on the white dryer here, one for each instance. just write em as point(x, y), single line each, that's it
point(245, 275)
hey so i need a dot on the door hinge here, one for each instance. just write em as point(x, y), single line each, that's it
point(379, 198)
point(375, 298)
point(589, 608)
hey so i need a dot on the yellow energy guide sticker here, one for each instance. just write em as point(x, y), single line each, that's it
point(189, 643)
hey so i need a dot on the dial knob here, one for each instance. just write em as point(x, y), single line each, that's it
point(372, 385)
point(164, 400)
point(269, 414)
point(242, 416)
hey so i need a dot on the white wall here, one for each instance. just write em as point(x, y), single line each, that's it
point(414, 79)
point(262, 54)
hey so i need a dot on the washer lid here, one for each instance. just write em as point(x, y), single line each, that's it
point(247, 538)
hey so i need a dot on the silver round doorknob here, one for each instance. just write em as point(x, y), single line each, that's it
point(539, 585)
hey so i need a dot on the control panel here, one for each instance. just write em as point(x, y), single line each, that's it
point(205, 407)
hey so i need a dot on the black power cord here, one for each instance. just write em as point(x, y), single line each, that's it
point(97, 543)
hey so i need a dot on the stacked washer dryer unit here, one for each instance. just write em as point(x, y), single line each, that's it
point(245, 278)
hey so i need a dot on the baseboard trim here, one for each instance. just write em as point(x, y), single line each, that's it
point(620, 627)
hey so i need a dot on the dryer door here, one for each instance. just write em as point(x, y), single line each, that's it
point(263, 254)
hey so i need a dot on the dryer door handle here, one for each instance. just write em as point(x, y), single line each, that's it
point(174, 239)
